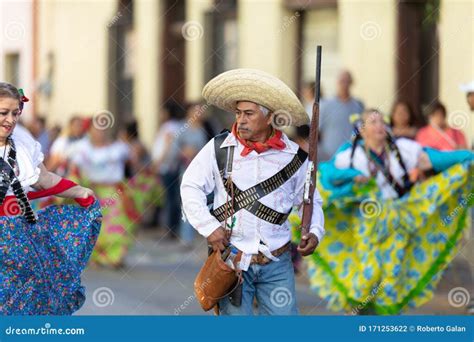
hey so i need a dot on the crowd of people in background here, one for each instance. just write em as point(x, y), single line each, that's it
point(116, 160)
point(429, 130)
point(403, 164)
point(136, 186)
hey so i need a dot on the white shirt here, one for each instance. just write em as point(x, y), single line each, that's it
point(105, 164)
point(28, 158)
point(59, 145)
point(169, 128)
point(202, 177)
point(409, 150)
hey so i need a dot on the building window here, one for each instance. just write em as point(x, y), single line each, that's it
point(321, 25)
point(12, 68)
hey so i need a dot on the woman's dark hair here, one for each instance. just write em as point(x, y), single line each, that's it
point(412, 121)
point(438, 106)
point(132, 129)
point(191, 104)
point(8, 90)
point(174, 109)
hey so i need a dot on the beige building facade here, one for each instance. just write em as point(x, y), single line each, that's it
point(16, 46)
point(131, 56)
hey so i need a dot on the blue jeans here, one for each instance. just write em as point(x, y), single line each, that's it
point(186, 232)
point(172, 207)
point(273, 285)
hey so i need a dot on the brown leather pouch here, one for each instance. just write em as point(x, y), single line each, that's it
point(214, 281)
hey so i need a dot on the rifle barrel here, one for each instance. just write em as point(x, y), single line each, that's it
point(312, 153)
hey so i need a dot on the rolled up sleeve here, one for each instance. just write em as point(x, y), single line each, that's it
point(317, 220)
point(199, 181)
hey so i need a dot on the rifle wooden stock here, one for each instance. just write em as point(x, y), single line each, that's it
point(310, 182)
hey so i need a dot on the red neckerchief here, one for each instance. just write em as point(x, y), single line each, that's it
point(274, 141)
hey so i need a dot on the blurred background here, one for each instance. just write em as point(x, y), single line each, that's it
point(131, 56)
point(141, 64)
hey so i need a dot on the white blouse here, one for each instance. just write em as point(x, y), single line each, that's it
point(409, 150)
point(105, 164)
point(28, 158)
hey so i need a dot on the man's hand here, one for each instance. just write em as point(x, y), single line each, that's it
point(310, 244)
point(218, 239)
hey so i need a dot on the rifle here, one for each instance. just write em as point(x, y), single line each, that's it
point(310, 182)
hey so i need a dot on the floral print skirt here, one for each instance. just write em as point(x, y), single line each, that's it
point(41, 263)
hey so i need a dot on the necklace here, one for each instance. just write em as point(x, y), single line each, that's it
point(13, 165)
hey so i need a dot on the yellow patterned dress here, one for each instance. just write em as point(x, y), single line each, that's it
point(382, 256)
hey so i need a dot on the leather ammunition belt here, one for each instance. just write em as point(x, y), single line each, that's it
point(249, 199)
point(8, 179)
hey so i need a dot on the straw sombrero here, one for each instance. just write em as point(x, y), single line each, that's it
point(230, 87)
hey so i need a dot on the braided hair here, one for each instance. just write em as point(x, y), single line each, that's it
point(356, 137)
point(407, 184)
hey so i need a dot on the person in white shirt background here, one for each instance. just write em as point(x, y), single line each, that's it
point(166, 165)
point(468, 89)
point(60, 153)
point(260, 102)
point(99, 160)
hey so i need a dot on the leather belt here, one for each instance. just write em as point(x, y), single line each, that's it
point(261, 259)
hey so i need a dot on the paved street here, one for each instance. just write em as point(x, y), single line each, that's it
point(159, 274)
